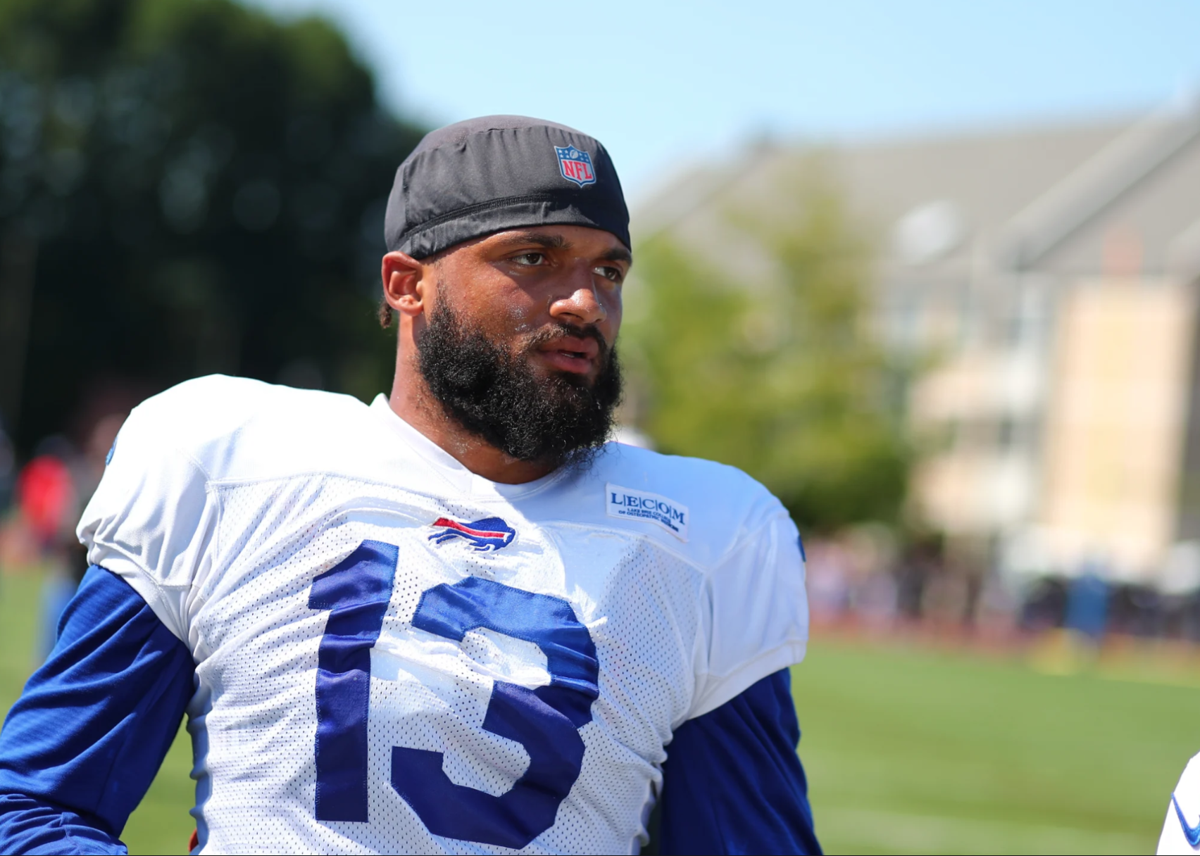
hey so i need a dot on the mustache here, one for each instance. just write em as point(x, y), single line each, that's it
point(561, 330)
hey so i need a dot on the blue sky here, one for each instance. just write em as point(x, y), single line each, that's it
point(664, 85)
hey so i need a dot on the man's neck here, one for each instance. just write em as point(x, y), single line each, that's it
point(412, 402)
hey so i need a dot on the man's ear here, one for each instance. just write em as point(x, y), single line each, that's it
point(404, 283)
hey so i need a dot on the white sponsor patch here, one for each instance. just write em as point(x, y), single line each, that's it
point(641, 505)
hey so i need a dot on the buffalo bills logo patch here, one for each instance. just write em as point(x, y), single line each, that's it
point(575, 165)
point(488, 534)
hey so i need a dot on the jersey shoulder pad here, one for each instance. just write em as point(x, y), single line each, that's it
point(238, 428)
point(739, 536)
point(697, 507)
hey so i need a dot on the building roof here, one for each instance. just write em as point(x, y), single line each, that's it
point(1059, 199)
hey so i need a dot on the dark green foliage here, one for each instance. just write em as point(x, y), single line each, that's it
point(200, 189)
point(780, 378)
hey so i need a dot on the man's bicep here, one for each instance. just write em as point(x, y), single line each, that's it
point(94, 723)
point(732, 782)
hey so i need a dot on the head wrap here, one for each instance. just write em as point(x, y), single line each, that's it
point(486, 175)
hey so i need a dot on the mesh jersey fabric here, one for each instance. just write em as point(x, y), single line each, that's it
point(230, 505)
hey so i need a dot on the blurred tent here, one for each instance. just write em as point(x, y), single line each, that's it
point(186, 187)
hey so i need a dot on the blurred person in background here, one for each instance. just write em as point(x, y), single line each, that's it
point(52, 490)
point(921, 562)
point(49, 502)
point(1043, 604)
point(1088, 602)
point(828, 582)
point(7, 477)
point(875, 601)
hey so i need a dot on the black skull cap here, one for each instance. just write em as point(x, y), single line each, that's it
point(486, 175)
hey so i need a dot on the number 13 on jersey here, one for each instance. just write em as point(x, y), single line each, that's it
point(546, 721)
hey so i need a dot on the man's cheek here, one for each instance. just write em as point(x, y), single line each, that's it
point(519, 319)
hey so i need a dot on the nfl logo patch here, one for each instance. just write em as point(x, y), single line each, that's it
point(575, 165)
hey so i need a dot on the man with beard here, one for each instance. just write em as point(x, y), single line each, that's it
point(455, 620)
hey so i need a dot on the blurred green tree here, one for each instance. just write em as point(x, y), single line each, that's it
point(780, 377)
point(186, 186)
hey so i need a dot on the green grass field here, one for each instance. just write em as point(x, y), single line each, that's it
point(907, 751)
point(917, 752)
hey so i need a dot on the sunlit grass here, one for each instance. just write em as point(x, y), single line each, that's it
point(915, 751)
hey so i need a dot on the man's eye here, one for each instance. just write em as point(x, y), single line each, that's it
point(611, 273)
point(530, 259)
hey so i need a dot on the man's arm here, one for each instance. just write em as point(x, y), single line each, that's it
point(83, 743)
point(732, 782)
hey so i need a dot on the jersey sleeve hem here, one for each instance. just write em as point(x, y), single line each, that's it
point(720, 689)
point(139, 580)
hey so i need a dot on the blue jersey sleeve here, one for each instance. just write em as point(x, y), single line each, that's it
point(83, 743)
point(732, 782)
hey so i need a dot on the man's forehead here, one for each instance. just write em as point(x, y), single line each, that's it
point(604, 244)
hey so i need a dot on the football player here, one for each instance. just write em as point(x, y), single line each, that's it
point(1181, 829)
point(455, 620)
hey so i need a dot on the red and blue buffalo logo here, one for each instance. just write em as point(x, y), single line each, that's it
point(488, 534)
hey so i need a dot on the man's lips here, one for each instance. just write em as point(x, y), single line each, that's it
point(572, 354)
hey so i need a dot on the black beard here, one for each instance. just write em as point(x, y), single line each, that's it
point(497, 396)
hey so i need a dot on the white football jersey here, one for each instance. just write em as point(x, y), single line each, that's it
point(1181, 829)
point(396, 655)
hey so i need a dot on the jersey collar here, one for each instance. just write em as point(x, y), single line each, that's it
point(447, 466)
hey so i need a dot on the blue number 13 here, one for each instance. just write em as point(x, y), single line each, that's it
point(546, 721)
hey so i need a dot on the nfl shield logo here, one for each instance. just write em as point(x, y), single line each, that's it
point(575, 165)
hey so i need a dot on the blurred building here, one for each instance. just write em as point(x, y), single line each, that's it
point(1049, 276)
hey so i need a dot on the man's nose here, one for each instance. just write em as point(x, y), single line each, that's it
point(582, 305)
